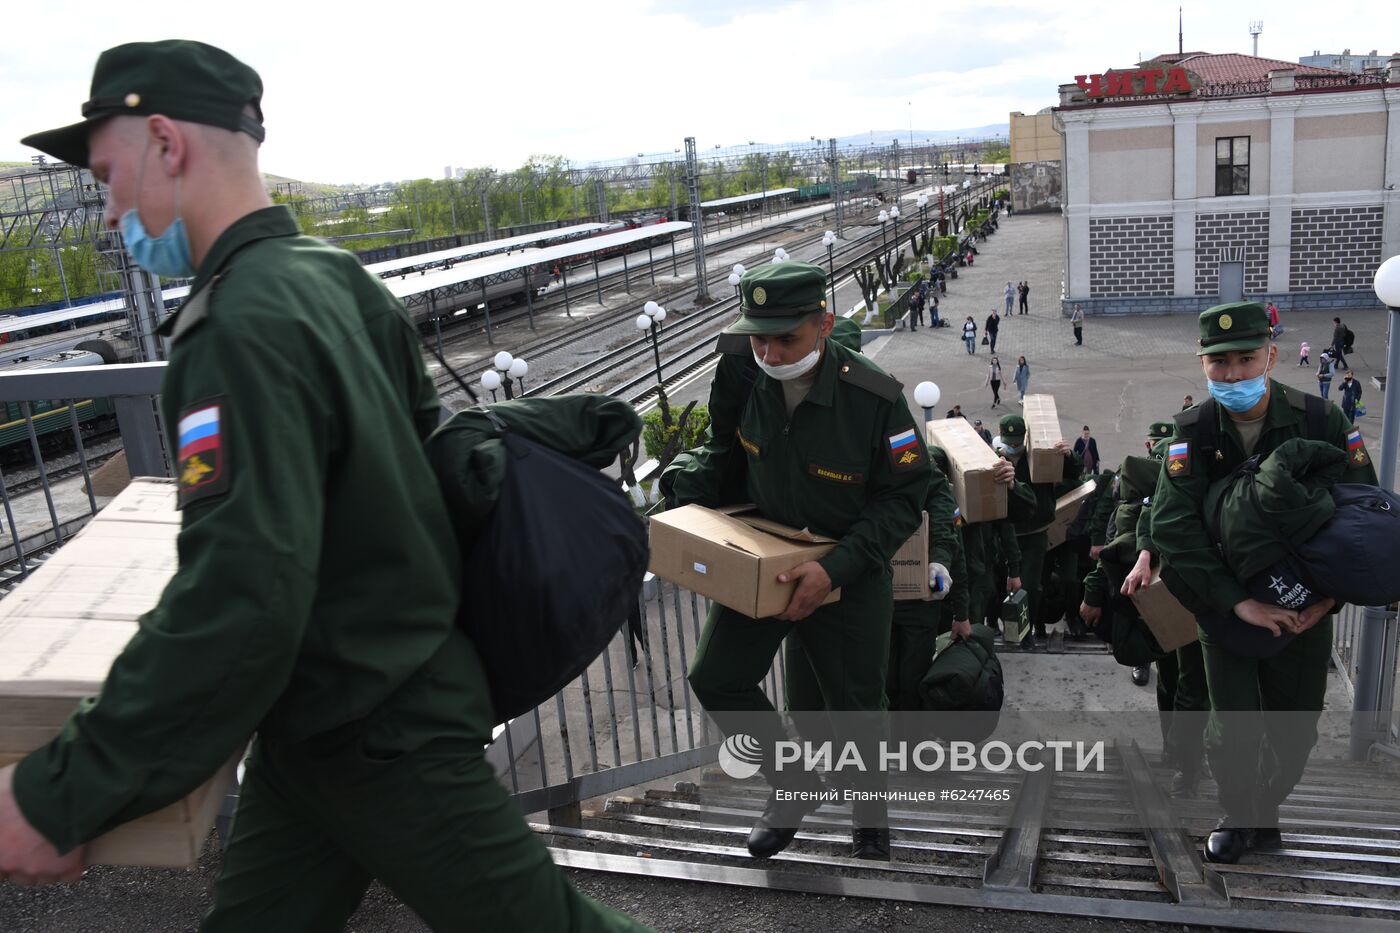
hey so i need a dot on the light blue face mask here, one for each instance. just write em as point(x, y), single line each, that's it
point(1240, 396)
point(167, 255)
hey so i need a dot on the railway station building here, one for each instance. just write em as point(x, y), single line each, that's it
point(1199, 178)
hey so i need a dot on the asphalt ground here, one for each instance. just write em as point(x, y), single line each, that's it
point(1131, 371)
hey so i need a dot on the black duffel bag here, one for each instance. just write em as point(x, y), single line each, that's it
point(553, 553)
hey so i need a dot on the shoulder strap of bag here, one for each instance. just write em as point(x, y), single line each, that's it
point(476, 400)
point(1315, 410)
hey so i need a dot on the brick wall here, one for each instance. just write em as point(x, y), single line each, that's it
point(1247, 229)
point(1130, 256)
point(1334, 247)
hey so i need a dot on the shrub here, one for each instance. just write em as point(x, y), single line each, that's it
point(655, 434)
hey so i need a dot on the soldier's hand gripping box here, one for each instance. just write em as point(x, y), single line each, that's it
point(910, 565)
point(733, 556)
point(980, 497)
point(1172, 624)
point(1047, 464)
point(1066, 511)
point(61, 629)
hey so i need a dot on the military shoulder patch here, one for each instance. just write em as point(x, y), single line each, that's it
point(202, 458)
point(1179, 458)
point(905, 451)
point(1356, 448)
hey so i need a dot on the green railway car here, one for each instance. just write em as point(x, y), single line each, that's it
point(53, 423)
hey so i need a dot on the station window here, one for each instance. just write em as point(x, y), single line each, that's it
point(1232, 165)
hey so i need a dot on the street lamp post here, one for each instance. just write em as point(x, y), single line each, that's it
point(884, 218)
point(829, 241)
point(894, 215)
point(1369, 706)
point(651, 317)
point(735, 275)
point(926, 395)
point(507, 367)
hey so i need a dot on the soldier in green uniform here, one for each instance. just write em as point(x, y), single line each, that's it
point(829, 445)
point(1030, 529)
point(317, 588)
point(1256, 758)
point(1182, 693)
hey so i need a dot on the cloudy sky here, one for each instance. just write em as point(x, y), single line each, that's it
point(399, 90)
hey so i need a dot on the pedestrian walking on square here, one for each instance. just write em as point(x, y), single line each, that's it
point(1340, 341)
point(1088, 450)
point(1010, 294)
point(994, 380)
point(1303, 350)
point(1351, 395)
point(1325, 368)
point(970, 335)
point(916, 310)
point(933, 320)
point(1076, 321)
point(993, 325)
point(1022, 377)
point(1025, 291)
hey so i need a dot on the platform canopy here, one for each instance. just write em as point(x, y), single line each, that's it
point(745, 198)
point(489, 267)
point(390, 266)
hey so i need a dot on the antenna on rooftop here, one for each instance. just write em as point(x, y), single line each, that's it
point(1179, 49)
point(1256, 27)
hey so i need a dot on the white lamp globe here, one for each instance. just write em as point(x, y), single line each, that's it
point(650, 307)
point(502, 361)
point(643, 322)
point(734, 279)
point(927, 394)
point(490, 380)
point(884, 216)
point(1387, 282)
point(518, 368)
point(739, 268)
point(660, 315)
point(894, 211)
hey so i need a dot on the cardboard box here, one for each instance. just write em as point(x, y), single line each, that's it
point(1172, 624)
point(980, 497)
point(1066, 510)
point(733, 556)
point(61, 629)
point(910, 565)
point(1042, 433)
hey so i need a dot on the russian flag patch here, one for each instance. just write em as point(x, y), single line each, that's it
point(200, 452)
point(1356, 448)
point(905, 452)
point(1179, 458)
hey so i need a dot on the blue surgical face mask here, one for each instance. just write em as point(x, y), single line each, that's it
point(167, 255)
point(1240, 396)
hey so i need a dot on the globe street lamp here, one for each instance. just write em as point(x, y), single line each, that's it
point(884, 218)
point(894, 215)
point(1370, 722)
point(780, 255)
point(517, 371)
point(505, 369)
point(829, 241)
point(926, 395)
point(735, 275)
point(651, 317)
point(491, 381)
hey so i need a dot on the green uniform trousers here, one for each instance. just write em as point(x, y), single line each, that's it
point(1257, 759)
point(1033, 547)
point(1181, 688)
point(833, 660)
point(917, 625)
point(405, 796)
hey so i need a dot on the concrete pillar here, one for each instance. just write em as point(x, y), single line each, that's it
point(1184, 117)
point(1390, 183)
point(1077, 203)
point(1281, 123)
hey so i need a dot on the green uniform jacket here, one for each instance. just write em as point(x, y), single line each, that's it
point(1045, 493)
point(864, 484)
point(1191, 565)
point(317, 570)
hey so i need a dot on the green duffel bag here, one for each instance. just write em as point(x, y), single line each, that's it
point(965, 679)
point(1134, 645)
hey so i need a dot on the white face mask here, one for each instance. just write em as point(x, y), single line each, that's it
point(790, 371)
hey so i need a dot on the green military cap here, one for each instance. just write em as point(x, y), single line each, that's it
point(1012, 426)
point(181, 79)
point(847, 333)
point(1239, 325)
point(777, 296)
point(1160, 429)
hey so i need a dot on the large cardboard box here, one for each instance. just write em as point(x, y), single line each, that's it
point(733, 556)
point(1172, 624)
point(980, 497)
point(1066, 510)
point(61, 629)
point(910, 565)
point(1042, 433)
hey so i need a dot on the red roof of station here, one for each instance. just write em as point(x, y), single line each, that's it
point(1232, 68)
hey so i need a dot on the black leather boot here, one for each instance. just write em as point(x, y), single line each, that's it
point(870, 844)
point(1226, 844)
point(1141, 675)
point(777, 827)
